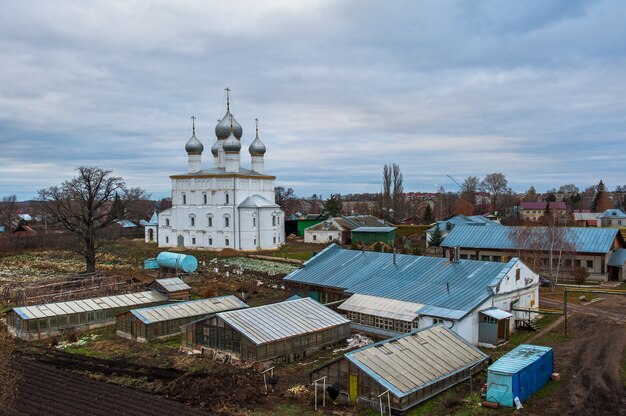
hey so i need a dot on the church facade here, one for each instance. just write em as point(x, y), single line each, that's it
point(225, 206)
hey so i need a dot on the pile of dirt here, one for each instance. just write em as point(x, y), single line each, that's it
point(234, 386)
point(292, 237)
point(230, 252)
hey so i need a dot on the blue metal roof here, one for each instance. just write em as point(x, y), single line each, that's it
point(613, 214)
point(519, 358)
point(473, 220)
point(585, 239)
point(447, 289)
point(618, 258)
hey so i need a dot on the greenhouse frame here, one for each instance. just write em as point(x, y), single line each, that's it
point(52, 319)
point(158, 322)
point(284, 331)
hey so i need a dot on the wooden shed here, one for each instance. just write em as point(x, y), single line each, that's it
point(404, 371)
point(282, 331)
point(157, 322)
point(174, 288)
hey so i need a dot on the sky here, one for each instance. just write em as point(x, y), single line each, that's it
point(534, 89)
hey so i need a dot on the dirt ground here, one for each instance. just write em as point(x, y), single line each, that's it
point(591, 361)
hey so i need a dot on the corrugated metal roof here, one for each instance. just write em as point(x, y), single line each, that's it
point(388, 308)
point(585, 239)
point(88, 305)
point(496, 313)
point(518, 358)
point(473, 220)
point(373, 229)
point(268, 323)
point(613, 214)
point(410, 362)
point(189, 309)
point(585, 216)
point(453, 289)
point(618, 258)
point(173, 284)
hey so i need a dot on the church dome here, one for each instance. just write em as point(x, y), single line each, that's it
point(228, 125)
point(193, 146)
point(231, 144)
point(257, 148)
point(215, 149)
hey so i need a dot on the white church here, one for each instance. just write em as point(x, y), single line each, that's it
point(226, 206)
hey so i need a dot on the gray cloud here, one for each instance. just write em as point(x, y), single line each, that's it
point(533, 89)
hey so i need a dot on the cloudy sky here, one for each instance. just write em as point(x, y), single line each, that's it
point(533, 89)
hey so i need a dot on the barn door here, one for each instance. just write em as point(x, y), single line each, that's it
point(354, 387)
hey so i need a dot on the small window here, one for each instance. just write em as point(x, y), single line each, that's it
point(210, 221)
point(518, 274)
point(274, 240)
point(167, 222)
point(314, 237)
point(167, 239)
point(484, 258)
point(330, 238)
point(193, 240)
point(184, 199)
point(192, 221)
point(254, 221)
point(437, 321)
point(226, 242)
point(226, 222)
point(210, 241)
point(463, 256)
point(497, 259)
point(590, 264)
point(227, 198)
point(273, 220)
point(255, 241)
point(204, 198)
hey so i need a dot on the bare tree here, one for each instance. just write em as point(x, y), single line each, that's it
point(386, 203)
point(8, 211)
point(81, 205)
point(494, 184)
point(397, 196)
point(531, 194)
point(548, 249)
point(470, 186)
point(285, 198)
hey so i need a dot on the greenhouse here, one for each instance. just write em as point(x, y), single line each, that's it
point(404, 371)
point(157, 322)
point(283, 331)
point(43, 321)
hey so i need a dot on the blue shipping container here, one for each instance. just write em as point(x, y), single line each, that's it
point(519, 373)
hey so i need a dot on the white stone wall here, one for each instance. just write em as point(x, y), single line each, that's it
point(322, 237)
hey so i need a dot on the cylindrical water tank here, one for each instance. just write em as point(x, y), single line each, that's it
point(184, 262)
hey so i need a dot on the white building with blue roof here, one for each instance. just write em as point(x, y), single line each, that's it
point(226, 206)
point(387, 294)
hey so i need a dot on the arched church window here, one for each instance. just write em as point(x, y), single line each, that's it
point(254, 220)
point(192, 220)
point(227, 198)
point(210, 220)
point(167, 222)
point(184, 199)
point(226, 221)
point(204, 198)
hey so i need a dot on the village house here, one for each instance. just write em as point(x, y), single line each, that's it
point(385, 294)
point(533, 211)
point(340, 229)
point(614, 218)
point(598, 250)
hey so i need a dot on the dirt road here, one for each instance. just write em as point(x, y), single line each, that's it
point(590, 361)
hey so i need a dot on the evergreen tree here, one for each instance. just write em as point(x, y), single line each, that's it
point(601, 200)
point(436, 238)
point(117, 208)
point(428, 214)
point(333, 205)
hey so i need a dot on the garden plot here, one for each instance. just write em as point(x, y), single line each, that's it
point(263, 266)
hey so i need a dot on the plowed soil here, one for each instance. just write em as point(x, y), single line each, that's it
point(46, 390)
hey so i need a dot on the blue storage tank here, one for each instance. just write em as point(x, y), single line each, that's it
point(184, 262)
point(150, 264)
point(519, 373)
